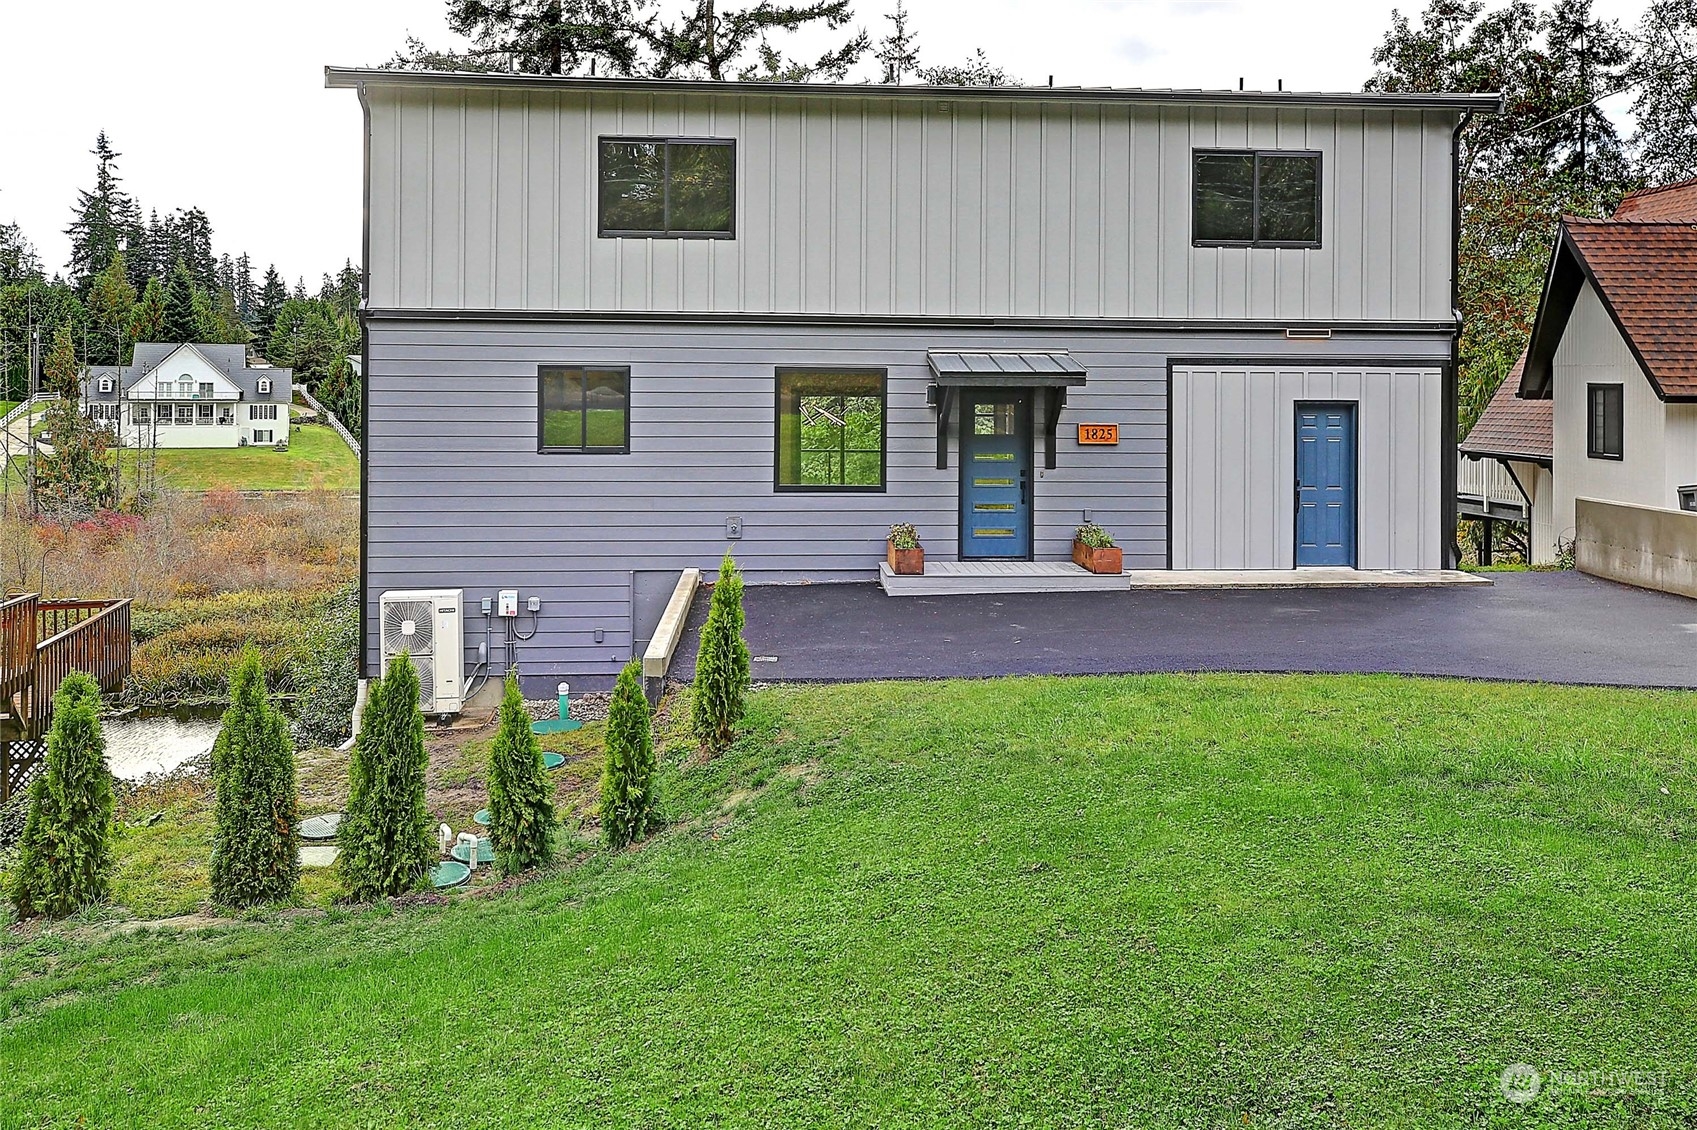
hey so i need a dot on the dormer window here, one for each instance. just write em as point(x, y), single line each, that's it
point(105, 384)
point(265, 386)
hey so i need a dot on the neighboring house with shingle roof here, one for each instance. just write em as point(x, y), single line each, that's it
point(190, 395)
point(1606, 394)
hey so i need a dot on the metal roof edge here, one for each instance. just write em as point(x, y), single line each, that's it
point(349, 78)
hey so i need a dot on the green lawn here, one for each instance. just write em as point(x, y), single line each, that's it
point(1174, 901)
point(317, 457)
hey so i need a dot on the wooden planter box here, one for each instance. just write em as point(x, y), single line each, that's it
point(1097, 560)
point(906, 562)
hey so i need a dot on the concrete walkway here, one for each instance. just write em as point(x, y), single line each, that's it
point(1550, 627)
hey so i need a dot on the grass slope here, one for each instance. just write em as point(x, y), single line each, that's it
point(316, 457)
point(1142, 902)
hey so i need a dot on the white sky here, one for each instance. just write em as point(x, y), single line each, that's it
point(223, 105)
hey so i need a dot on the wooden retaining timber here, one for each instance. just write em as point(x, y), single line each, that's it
point(42, 641)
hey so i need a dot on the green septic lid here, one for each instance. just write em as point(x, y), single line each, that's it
point(485, 851)
point(320, 827)
point(481, 817)
point(449, 873)
point(553, 760)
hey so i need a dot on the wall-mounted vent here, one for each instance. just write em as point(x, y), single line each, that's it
point(1308, 334)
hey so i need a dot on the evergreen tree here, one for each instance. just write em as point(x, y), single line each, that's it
point(385, 834)
point(299, 293)
point(721, 664)
point(707, 43)
point(551, 37)
point(65, 853)
point(898, 52)
point(521, 816)
point(255, 844)
point(191, 244)
point(1585, 58)
point(182, 323)
point(80, 475)
point(272, 295)
point(340, 392)
point(1665, 77)
point(34, 310)
point(247, 297)
point(110, 299)
point(978, 70)
point(103, 218)
point(628, 805)
point(18, 259)
point(147, 316)
point(147, 254)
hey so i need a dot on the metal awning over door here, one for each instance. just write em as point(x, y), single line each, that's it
point(1051, 372)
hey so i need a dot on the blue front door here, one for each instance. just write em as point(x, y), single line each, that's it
point(1325, 484)
point(995, 467)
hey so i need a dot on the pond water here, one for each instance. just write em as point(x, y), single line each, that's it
point(148, 742)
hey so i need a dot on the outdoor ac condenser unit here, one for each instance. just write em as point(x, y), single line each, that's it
point(427, 625)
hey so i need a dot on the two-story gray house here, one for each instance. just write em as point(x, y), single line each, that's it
point(613, 325)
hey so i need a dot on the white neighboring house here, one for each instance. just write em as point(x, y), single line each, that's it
point(1604, 403)
point(190, 395)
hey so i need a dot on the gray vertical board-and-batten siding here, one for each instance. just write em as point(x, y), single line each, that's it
point(484, 199)
point(457, 495)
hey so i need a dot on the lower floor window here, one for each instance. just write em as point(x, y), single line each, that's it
point(583, 410)
point(830, 429)
point(185, 414)
point(262, 435)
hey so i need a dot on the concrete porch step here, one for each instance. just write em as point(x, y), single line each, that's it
point(965, 578)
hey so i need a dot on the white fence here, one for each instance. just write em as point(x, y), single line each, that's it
point(1487, 483)
point(330, 418)
point(24, 408)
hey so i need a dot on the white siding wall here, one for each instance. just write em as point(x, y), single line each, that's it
point(1234, 464)
point(485, 200)
point(1592, 351)
point(1541, 486)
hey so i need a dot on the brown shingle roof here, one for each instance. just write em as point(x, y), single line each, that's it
point(1669, 202)
point(1646, 274)
point(1511, 427)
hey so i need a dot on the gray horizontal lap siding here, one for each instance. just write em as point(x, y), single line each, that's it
point(459, 497)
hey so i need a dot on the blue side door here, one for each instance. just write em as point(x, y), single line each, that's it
point(995, 467)
point(1325, 484)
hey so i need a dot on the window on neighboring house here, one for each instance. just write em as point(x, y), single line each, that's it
point(262, 412)
point(141, 414)
point(668, 188)
point(1256, 198)
point(265, 386)
point(185, 414)
point(830, 429)
point(203, 413)
point(206, 389)
point(583, 410)
point(1604, 422)
point(262, 435)
point(105, 384)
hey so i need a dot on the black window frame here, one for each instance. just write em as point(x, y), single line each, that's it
point(778, 375)
point(1597, 447)
point(542, 374)
point(602, 231)
point(1255, 220)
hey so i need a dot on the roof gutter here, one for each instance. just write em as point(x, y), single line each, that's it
point(353, 78)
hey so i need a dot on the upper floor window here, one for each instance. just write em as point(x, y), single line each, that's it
point(265, 386)
point(583, 410)
point(674, 188)
point(830, 429)
point(1249, 198)
point(1603, 425)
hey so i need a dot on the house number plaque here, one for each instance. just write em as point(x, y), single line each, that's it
point(1107, 434)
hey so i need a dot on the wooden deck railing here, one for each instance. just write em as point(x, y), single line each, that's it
point(42, 641)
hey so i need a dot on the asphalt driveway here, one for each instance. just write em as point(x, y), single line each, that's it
point(1545, 627)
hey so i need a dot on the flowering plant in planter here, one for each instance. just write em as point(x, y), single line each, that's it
point(904, 552)
point(1093, 548)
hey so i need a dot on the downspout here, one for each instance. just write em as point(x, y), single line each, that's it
point(365, 390)
point(1452, 377)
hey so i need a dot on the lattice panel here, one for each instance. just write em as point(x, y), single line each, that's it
point(19, 763)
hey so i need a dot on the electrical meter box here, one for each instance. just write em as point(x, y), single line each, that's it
point(507, 602)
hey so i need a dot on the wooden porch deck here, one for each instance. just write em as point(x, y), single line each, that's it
point(42, 641)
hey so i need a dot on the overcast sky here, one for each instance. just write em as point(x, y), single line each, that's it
point(223, 105)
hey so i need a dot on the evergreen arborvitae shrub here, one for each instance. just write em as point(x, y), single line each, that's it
point(721, 664)
point(521, 816)
point(66, 851)
point(385, 834)
point(255, 844)
point(628, 810)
